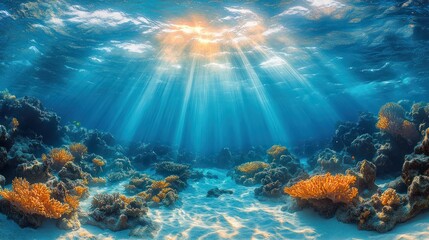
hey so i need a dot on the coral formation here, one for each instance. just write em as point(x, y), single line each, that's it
point(78, 150)
point(337, 188)
point(60, 156)
point(34, 199)
point(276, 151)
point(391, 119)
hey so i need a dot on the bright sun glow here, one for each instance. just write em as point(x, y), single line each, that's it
point(197, 37)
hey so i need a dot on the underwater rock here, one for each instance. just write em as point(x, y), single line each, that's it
point(362, 147)
point(34, 119)
point(346, 132)
point(423, 147)
point(170, 168)
point(414, 165)
point(420, 115)
point(365, 173)
point(34, 171)
point(216, 192)
point(72, 171)
point(2, 181)
point(398, 184)
point(21, 218)
point(224, 159)
point(329, 160)
point(145, 159)
point(161, 150)
point(389, 157)
point(270, 190)
point(75, 133)
point(100, 143)
point(70, 222)
point(6, 140)
point(3, 157)
point(120, 169)
point(116, 212)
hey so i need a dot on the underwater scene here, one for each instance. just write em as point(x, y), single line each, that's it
point(214, 119)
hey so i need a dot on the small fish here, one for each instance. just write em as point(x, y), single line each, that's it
point(76, 123)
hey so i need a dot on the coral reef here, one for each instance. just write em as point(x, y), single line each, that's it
point(78, 150)
point(337, 188)
point(34, 120)
point(391, 119)
point(117, 212)
point(170, 168)
point(276, 151)
point(29, 204)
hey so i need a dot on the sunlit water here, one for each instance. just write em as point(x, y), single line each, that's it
point(209, 74)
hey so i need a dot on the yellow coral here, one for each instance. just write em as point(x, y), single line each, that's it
point(61, 156)
point(172, 178)
point(337, 188)
point(78, 150)
point(44, 157)
point(144, 195)
point(252, 167)
point(276, 151)
point(390, 198)
point(34, 199)
point(159, 185)
point(98, 162)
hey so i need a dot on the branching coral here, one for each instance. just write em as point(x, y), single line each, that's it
point(337, 188)
point(252, 167)
point(78, 150)
point(61, 156)
point(80, 191)
point(391, 119)
point(34, 199)
point(276, 151)
point(98, 180)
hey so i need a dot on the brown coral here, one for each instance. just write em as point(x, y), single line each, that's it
point(98, 162)
point(391, 119)
point(337, 188)
point(34, 199)
point(276, 151)
point(252, 167)
point(78, 150)
point(159, 185)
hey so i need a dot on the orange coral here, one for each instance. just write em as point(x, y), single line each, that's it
point(98, 162)
point(156, 199)
point(15, 124)
point(390, 198)
point(159, 185)
point(61, 156)
point(276, 151)
point(78, 150)
point(252, 167)
point(391, 119)
point(73, 202)
point(126, 199)
point(34, 199)
point(336, 188)
point(80, 191)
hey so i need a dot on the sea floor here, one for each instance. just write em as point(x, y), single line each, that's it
point(236, 216)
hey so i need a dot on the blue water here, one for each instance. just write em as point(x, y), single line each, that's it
point(203, 75)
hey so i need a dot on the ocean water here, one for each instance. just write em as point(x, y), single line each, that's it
point(203, 75)
point(207, 74)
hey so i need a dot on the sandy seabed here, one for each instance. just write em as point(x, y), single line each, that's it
point(236, 216)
